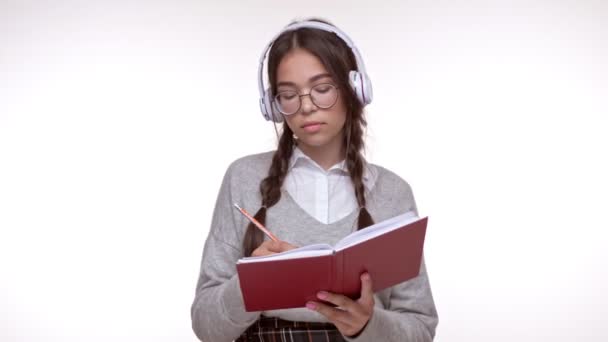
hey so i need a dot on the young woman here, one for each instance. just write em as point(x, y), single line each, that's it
point(315, 188)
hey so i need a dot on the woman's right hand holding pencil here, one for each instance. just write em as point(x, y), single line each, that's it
point(271, 247)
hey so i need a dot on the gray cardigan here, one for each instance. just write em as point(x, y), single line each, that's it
point(404, 312)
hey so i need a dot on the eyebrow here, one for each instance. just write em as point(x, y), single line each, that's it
point(310, 80)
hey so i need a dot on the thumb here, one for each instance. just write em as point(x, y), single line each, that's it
point(367, 291)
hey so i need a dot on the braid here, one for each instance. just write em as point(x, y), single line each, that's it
point(354, 163)
point(270, 189)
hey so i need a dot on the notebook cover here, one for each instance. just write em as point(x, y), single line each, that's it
point(390, 259)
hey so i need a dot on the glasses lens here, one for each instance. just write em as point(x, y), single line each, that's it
point(324, 95)
point(288, 102)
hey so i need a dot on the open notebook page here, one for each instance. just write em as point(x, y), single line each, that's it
point(350, 240)
point(300, 252)
point(376, 230)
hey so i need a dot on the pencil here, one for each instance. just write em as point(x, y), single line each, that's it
point(256, 223)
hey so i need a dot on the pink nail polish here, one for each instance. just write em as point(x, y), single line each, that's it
point(322, 295)
point(311, 306)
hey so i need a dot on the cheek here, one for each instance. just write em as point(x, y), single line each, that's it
point(340, 114)
point(289, 120)
point(339, 119)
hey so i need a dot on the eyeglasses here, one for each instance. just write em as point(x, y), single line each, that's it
point(323, 95)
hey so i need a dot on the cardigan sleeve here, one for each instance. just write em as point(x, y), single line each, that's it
point(218, 311)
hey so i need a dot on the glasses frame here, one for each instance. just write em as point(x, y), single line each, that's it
point(275, 98)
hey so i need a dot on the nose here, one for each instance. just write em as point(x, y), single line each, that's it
point(307, 105)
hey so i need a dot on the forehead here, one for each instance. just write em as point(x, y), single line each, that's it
point(298, 66)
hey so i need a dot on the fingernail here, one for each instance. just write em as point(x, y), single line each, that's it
point(322, 295)
point(365, 276)
point(311, 306)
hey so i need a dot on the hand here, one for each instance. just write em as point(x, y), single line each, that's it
point(351, 316)
point(272, 247)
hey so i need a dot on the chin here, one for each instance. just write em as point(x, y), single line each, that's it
point(313, 142)
point(317, 143)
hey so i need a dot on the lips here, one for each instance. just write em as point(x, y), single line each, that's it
point(312, 127)
point(312, 123)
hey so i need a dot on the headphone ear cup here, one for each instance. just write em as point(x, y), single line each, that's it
point(368, 92)
point(361, 86)
point(276, 115)
point(263, 109)
point(268, 111)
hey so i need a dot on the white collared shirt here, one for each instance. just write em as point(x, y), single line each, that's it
point(328, 195)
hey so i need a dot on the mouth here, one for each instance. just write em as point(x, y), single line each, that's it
point(312, 127)
point(313, 123)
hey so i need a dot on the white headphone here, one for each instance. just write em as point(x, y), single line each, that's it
point(358, 79)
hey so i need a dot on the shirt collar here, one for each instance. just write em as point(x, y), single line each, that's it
point(298, 159)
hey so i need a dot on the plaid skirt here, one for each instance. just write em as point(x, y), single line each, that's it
point(272, 329)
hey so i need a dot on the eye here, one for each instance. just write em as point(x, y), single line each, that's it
point(286, 95)
point(323, 88)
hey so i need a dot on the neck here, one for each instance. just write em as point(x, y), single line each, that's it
point(327, 155)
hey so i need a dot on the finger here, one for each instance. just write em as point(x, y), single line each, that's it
point(264, 249)
point(341, 324)
point(367, 292)
point(279, 246)
point(285, 246)
point(261, 251)
point(334, 315)
point(274, 246)
point(337, 299)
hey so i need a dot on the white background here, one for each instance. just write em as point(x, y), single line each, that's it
point(119, 118)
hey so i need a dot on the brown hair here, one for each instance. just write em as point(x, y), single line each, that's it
point(338, 59)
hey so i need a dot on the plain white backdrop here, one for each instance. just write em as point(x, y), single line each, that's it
point(119, 118)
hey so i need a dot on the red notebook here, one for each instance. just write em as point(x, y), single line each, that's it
point(391, 251)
